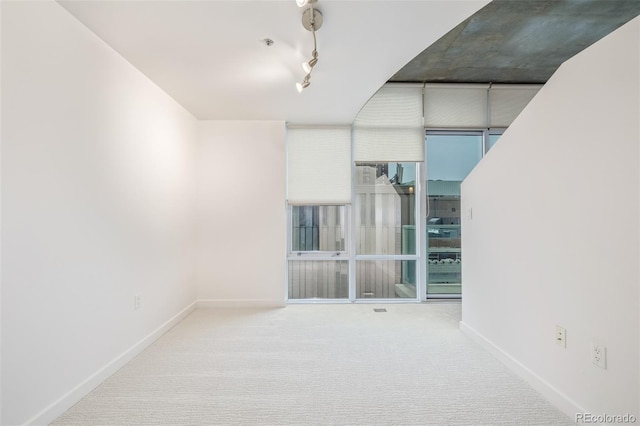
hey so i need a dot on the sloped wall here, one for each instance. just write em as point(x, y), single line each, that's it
point(551, 233)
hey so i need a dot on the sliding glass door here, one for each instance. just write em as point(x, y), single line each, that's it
point(450, 158)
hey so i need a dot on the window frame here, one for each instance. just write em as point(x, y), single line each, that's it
point(319, 254)
point(486, 136)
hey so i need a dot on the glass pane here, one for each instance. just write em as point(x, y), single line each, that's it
point(384, 279)
point(452, 157)
point(317, 228)
point(443, 245)
point(318, 279)
point(385, 208)
point(493, 138)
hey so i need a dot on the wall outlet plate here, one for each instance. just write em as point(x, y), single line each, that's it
point(136, 302)
point(599, 355)
point(561, 336)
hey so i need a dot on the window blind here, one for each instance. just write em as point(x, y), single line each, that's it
point(389, 127)
point(506, 102)
point(319, 165)
point(455, 106)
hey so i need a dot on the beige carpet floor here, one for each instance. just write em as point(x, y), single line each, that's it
point(316, 365)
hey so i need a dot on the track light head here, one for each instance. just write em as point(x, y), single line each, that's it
point(308, 66)
point(303, 85)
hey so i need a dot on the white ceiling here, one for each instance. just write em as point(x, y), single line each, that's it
point(209, 55)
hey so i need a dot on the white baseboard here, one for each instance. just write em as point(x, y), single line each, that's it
point(53, 411)
point(548, 391)
point(241, 303)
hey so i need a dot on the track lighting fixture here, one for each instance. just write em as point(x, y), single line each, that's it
point(311, 21)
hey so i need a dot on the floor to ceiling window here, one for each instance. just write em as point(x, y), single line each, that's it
point(371, 249)
point(376, 254)
point(374, 207)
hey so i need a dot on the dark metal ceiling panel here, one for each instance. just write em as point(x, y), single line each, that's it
point(517, 41)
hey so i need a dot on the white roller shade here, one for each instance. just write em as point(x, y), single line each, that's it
point(506, 102)
point(389, 127)
point(319, 165)
point(456, 106)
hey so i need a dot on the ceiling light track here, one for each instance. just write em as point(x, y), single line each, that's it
point(311, 21)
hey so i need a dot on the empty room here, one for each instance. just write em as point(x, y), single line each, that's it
point(319, 212)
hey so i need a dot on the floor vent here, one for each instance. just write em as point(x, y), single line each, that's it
point(379, 310)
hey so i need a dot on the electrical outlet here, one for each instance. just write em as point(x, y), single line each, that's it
point(599, 355)
point(561, 336)
point(136, 302)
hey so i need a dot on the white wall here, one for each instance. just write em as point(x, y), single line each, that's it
point(97, 206)
point(554, 233)
point(241, 207)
